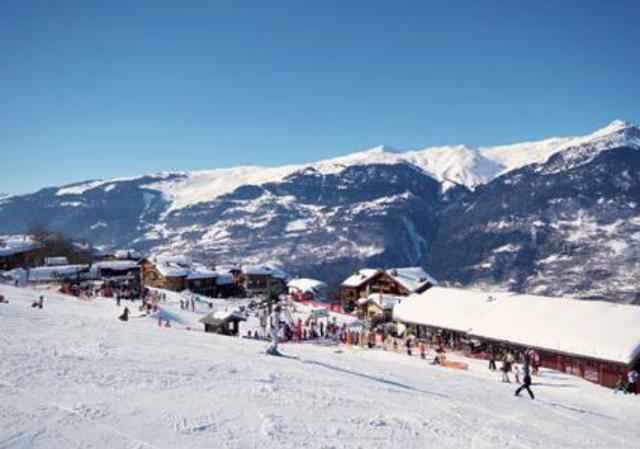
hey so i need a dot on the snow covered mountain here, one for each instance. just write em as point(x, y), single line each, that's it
point(459, 211)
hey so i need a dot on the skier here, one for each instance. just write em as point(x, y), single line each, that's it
point(526, 385)
point(274, 327)
point(125, 315)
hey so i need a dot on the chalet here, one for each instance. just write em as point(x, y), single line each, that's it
point(177, 273)
point(223, 322)
point(378, 306)
point(595, 340)
point(394, 281)
point(260, 280)
point(18, 251)
point(304, 289)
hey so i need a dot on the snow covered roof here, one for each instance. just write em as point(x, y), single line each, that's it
point(124, 254)
point(42, 274)
point(116, 265)
point(412, 278)
point(219, 316)
point(224, 279)
point(172, 265)
point(594, 329)
point(201, 272)
point(360, 277)
point(182, 266)
point(306, 285)
point(448, 308)
point(264, 270)
point(58, 260)
point(15, 244)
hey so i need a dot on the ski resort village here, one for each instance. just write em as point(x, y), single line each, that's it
point(125, 349)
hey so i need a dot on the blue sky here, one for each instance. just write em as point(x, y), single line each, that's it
point(92, 89)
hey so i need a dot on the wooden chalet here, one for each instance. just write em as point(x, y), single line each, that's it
point(177, 273)
point(394, 281)
point(596, 340)
point(156, 274)
point(18, 252)
point(261, 280)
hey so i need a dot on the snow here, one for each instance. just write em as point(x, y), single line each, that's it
point(206, 185)
point(47, 274)
point(264, 270)
point(72, 375)
point(298, 225)
point(116, 264)
point(359, 277)
point(448, 308)
point(412, 278)
point(450, 165)
point(201, 272)
point(306, 285)
point(597, 329)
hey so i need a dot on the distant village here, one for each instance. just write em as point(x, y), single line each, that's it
point(596, 340)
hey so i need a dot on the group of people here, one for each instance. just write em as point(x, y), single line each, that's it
point(508, 365)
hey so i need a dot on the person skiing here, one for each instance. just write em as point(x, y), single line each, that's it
point(274, 328)
point(408, 346)
point(526, 385)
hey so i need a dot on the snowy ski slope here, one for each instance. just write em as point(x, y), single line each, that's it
point(72, 375)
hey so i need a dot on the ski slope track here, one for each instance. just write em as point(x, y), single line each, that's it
point(72, 375)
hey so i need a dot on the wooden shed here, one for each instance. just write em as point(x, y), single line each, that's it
point(223, 322)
